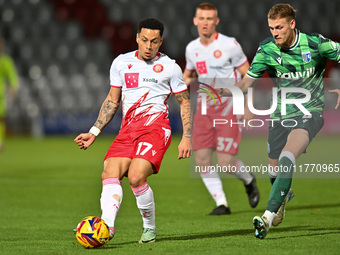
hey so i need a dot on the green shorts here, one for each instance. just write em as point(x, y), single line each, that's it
point(279, 131)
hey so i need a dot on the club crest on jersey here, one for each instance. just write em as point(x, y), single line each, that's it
point(158, 68)
point(217, 53)
point(306, 56)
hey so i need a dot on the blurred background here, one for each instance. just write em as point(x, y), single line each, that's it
point(63, 50)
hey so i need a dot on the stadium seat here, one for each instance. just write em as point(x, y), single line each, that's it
point(54, 42)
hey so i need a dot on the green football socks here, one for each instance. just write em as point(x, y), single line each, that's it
point(281, 186)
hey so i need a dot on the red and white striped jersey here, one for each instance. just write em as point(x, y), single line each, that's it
point(146, 86)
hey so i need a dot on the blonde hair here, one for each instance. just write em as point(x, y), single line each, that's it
point(280, 11)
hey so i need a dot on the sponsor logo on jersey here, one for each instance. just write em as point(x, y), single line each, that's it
point(216, 67)
point(131, 80)
point(158, 68)
point(279, 60)
point(150, 80)
point(296, 75)
point(306, 56)
point(201, 67)
point(129, 66)
point(217, 53)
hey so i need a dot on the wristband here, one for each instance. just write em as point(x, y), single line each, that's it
point(95, 131)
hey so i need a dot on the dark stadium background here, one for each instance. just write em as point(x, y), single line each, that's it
point(63, 50)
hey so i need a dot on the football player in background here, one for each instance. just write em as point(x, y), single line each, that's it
point(8, 74)
point(216, 58)
point(143, 80)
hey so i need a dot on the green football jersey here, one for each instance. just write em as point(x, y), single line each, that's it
point(8, 74)
point(300, 66)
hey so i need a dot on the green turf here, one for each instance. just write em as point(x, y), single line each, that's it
point(47, 186)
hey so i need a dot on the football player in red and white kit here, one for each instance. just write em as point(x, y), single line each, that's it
point(143, 80)
point(215, 58)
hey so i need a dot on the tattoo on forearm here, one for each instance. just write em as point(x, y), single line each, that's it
point(183, 99)
point(186, 119)
point(106, 113)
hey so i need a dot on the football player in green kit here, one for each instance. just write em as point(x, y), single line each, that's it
point(8, 74)
point(293, 59)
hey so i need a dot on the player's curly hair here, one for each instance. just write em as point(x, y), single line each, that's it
point(280, 11)
point(151, 23)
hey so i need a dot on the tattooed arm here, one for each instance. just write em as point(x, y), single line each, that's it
point(106, 114)
point(184, 148)
point(109, 108)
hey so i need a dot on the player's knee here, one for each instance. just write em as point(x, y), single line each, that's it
point(203, 161)
point(226, 163)
point(136, 179)
point(106, 174)
point(110, 171)
point(226, 160)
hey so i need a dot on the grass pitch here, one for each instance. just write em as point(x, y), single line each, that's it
point(47, 186)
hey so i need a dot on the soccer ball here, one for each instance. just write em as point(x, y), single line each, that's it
point(92, 232)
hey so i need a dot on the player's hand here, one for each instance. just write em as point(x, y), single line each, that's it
point(184, 148)
point(337, 91)
point(84, 140)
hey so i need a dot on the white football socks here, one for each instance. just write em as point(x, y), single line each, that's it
point(270, 216)
point(214, 185)
point(145, 204)
point(111, 198)
point(241, 174)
